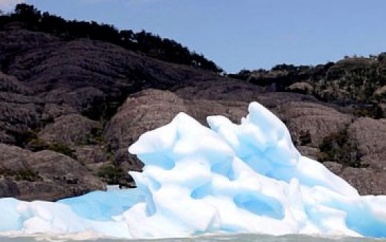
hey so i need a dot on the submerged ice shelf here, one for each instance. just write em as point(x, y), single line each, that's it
point(229, 178)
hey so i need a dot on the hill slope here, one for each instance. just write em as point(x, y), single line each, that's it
point(74, 95)
point(70, 109)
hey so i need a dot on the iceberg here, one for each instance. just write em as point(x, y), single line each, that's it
point(197, 180)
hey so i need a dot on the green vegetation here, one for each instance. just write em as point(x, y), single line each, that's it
point(305, 137)
point(37, 144)
point(141, 42)
point(95, 136)
point(338, 147)
point(22, 137)
point(23, 174)
point(62, 148)
point(358, 84)
point(103, 109)
point(372, 111)
point(111, 174)
point(355, 81)
point(29, 140)
point(26, 175)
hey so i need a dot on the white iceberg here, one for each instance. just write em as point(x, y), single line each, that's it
point(228, 178)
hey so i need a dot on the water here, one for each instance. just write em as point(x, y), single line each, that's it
point(220, 238)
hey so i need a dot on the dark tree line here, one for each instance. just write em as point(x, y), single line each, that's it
point(143, 42)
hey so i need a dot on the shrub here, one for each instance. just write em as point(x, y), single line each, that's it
point(23, 174)
point(62, 148)
point(37, 145)
point(339, 148)
point(111, 174)
point(26, 175)
point(372, 111)
point(22, 137)
point(305, 137)
point(95, 136)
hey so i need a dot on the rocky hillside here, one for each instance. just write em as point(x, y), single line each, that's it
point(356, 81)
point(69, 109)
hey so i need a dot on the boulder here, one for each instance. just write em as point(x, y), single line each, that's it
point(71, 130)
point(141, 112)
point(45, 175)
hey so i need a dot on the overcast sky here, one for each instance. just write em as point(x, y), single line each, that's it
point(249, 34)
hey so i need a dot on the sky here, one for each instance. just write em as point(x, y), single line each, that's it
point(243, 34)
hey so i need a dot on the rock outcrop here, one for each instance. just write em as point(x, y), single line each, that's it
point(45, 175)
point(69, 109)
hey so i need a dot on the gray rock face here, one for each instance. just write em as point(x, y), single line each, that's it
point(141, 112)
point(80, 99)
point(11, 84)
point(70, 108)
point(366, 180)
point(92, 156)
point(316, 119)
point(370, 135)
point(71, 130)
point(299, 112)
point(46, 175)
point(150, 109)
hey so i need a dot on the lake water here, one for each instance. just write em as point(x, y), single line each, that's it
point(220, 238)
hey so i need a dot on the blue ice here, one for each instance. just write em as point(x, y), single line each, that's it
point(228, 178)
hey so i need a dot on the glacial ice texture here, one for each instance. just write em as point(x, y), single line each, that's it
point(229, 178)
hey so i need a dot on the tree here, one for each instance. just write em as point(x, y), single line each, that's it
point(27, 14)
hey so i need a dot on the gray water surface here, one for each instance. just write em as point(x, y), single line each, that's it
point(219, 238)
